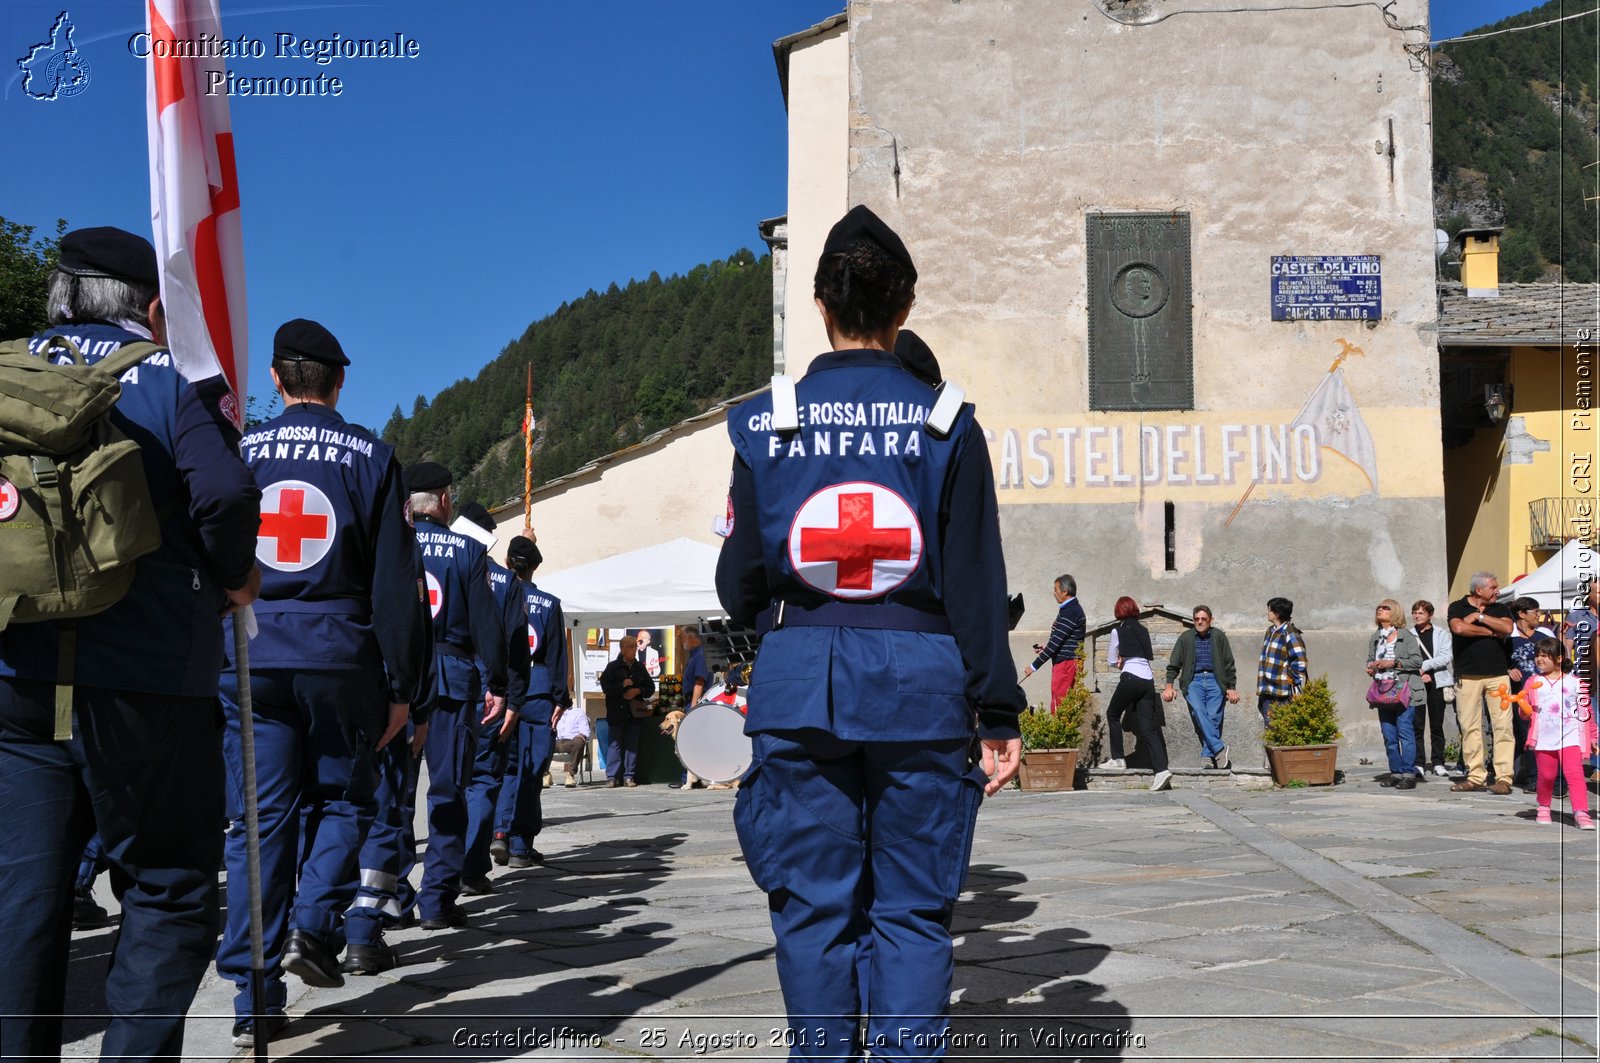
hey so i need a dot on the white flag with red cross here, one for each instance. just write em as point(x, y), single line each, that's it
point(855, 540)
point(194, 197)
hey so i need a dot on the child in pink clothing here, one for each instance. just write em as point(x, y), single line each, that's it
point(1561, 730)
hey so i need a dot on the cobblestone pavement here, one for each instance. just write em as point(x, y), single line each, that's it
point(1212, 921)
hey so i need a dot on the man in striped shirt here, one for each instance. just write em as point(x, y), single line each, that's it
point(1066, 635)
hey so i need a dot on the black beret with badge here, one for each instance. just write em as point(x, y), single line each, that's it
point(106, 251)
point(478, 514)
point(861, 224)
point(302, 340)
point(428, 476)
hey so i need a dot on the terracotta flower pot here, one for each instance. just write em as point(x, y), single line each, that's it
point(1313, 765)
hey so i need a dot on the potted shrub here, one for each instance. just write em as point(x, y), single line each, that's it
point(1050, 740)
point(1300, 736)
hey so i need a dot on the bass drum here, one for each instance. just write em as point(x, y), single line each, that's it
point(712, 743)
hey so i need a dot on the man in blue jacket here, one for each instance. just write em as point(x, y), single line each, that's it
point(144, 762)
point(332, 669)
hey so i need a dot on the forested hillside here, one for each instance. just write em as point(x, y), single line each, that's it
point(1510, 141)
point(608, 369)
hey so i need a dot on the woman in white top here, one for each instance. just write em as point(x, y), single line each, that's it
point(1130, 650)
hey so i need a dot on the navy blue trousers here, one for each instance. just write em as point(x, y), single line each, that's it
point(520, 811)
point(449, 750)
point(146, 769)
point(315, 803)
point(382, 891)
point(494, 755)
point(862, 849)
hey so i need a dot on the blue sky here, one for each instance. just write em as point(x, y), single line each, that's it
point(532, 151)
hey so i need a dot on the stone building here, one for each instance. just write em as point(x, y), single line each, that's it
point(1180, 254)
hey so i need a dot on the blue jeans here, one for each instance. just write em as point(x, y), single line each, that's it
point(1399, 737)
point(1205, 705)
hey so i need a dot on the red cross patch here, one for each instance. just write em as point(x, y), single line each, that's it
point(533, 640)
point(435, 595)
point(855, 540)
point(10, 499)
point(297, 526)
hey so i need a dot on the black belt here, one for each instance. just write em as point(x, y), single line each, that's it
point(884, 616)
point(450, 649)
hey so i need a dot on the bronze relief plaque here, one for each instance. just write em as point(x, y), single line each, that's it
point(1141, 348)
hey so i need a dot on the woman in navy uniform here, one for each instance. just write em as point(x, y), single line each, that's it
point(866, 542)
point(332, 669)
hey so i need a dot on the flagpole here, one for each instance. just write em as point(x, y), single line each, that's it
point(527, 455)
point(1346, 349)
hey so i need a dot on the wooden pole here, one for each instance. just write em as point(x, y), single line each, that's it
point(527, 455)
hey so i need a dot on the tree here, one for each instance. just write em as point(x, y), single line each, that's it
point(26, 263)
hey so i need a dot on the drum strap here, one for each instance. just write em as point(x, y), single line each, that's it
point(883, 616)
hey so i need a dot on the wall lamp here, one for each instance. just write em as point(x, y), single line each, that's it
point(1497, 402)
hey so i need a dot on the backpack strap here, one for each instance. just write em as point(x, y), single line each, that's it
point(66, 665)
point(125, 357)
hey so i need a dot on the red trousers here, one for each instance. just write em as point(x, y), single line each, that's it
point(1062, 675)
point(1569, 759)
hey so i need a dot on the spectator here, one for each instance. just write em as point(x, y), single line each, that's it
point(1129, 649)
point(1066, 635)
point(1202, 663)
point(624, 681)
point(695, 683)
point(1437, 680)
point(1282, 670)
point(1395, 657)
point(1563, 732)
point(1479, 628)
point(572, 739)
point(1521, 647)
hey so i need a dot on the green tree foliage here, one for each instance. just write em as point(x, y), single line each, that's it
point(609, 368)
point(26, 263)
point(1518, 112)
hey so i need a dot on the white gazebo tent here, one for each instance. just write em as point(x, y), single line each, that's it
point(1560, 582)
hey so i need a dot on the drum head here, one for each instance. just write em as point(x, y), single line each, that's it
point(712, 742)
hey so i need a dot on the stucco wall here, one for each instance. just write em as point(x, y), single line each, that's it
point(819, 87)
point(658, 491)
point(1008, 124)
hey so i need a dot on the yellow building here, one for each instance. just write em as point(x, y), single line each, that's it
point(1517, 395)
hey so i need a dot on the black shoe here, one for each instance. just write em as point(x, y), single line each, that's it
point(499, 850)
point(477, 887)
point(369, 959)
point(450, 916)
point(86, 914)
point(1386, 779)
point(244, 1030)
point(615, 783)
point(674, 785)
point(527, 859)
point(407, 920)
point(308, 959)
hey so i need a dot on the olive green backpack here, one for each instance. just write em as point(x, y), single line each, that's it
point(75, 509)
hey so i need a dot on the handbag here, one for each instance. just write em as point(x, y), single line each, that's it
point(640, 708)
point(1389, 692)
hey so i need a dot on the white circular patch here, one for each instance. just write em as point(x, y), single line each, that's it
point(10, 499)
point(435, 595)
point(533, 639)
point(855, 540)
point(297, 526)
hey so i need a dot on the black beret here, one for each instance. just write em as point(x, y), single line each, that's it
point(477, 514)
point(862, 224)
point(301, 340)
point(523, 553)
point(917, 357)
point(106, 251)
point(427, 476)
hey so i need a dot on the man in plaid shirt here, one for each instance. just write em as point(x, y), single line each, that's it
point(1281, 673)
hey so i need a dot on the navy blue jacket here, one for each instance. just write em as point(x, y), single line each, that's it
point(508, 590)
point(466, 623)
point(863, 505)
point(337, 589)
point(547, 639)
point(165, 635)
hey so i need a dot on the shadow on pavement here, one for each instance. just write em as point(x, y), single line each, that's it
point(1024, 994)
